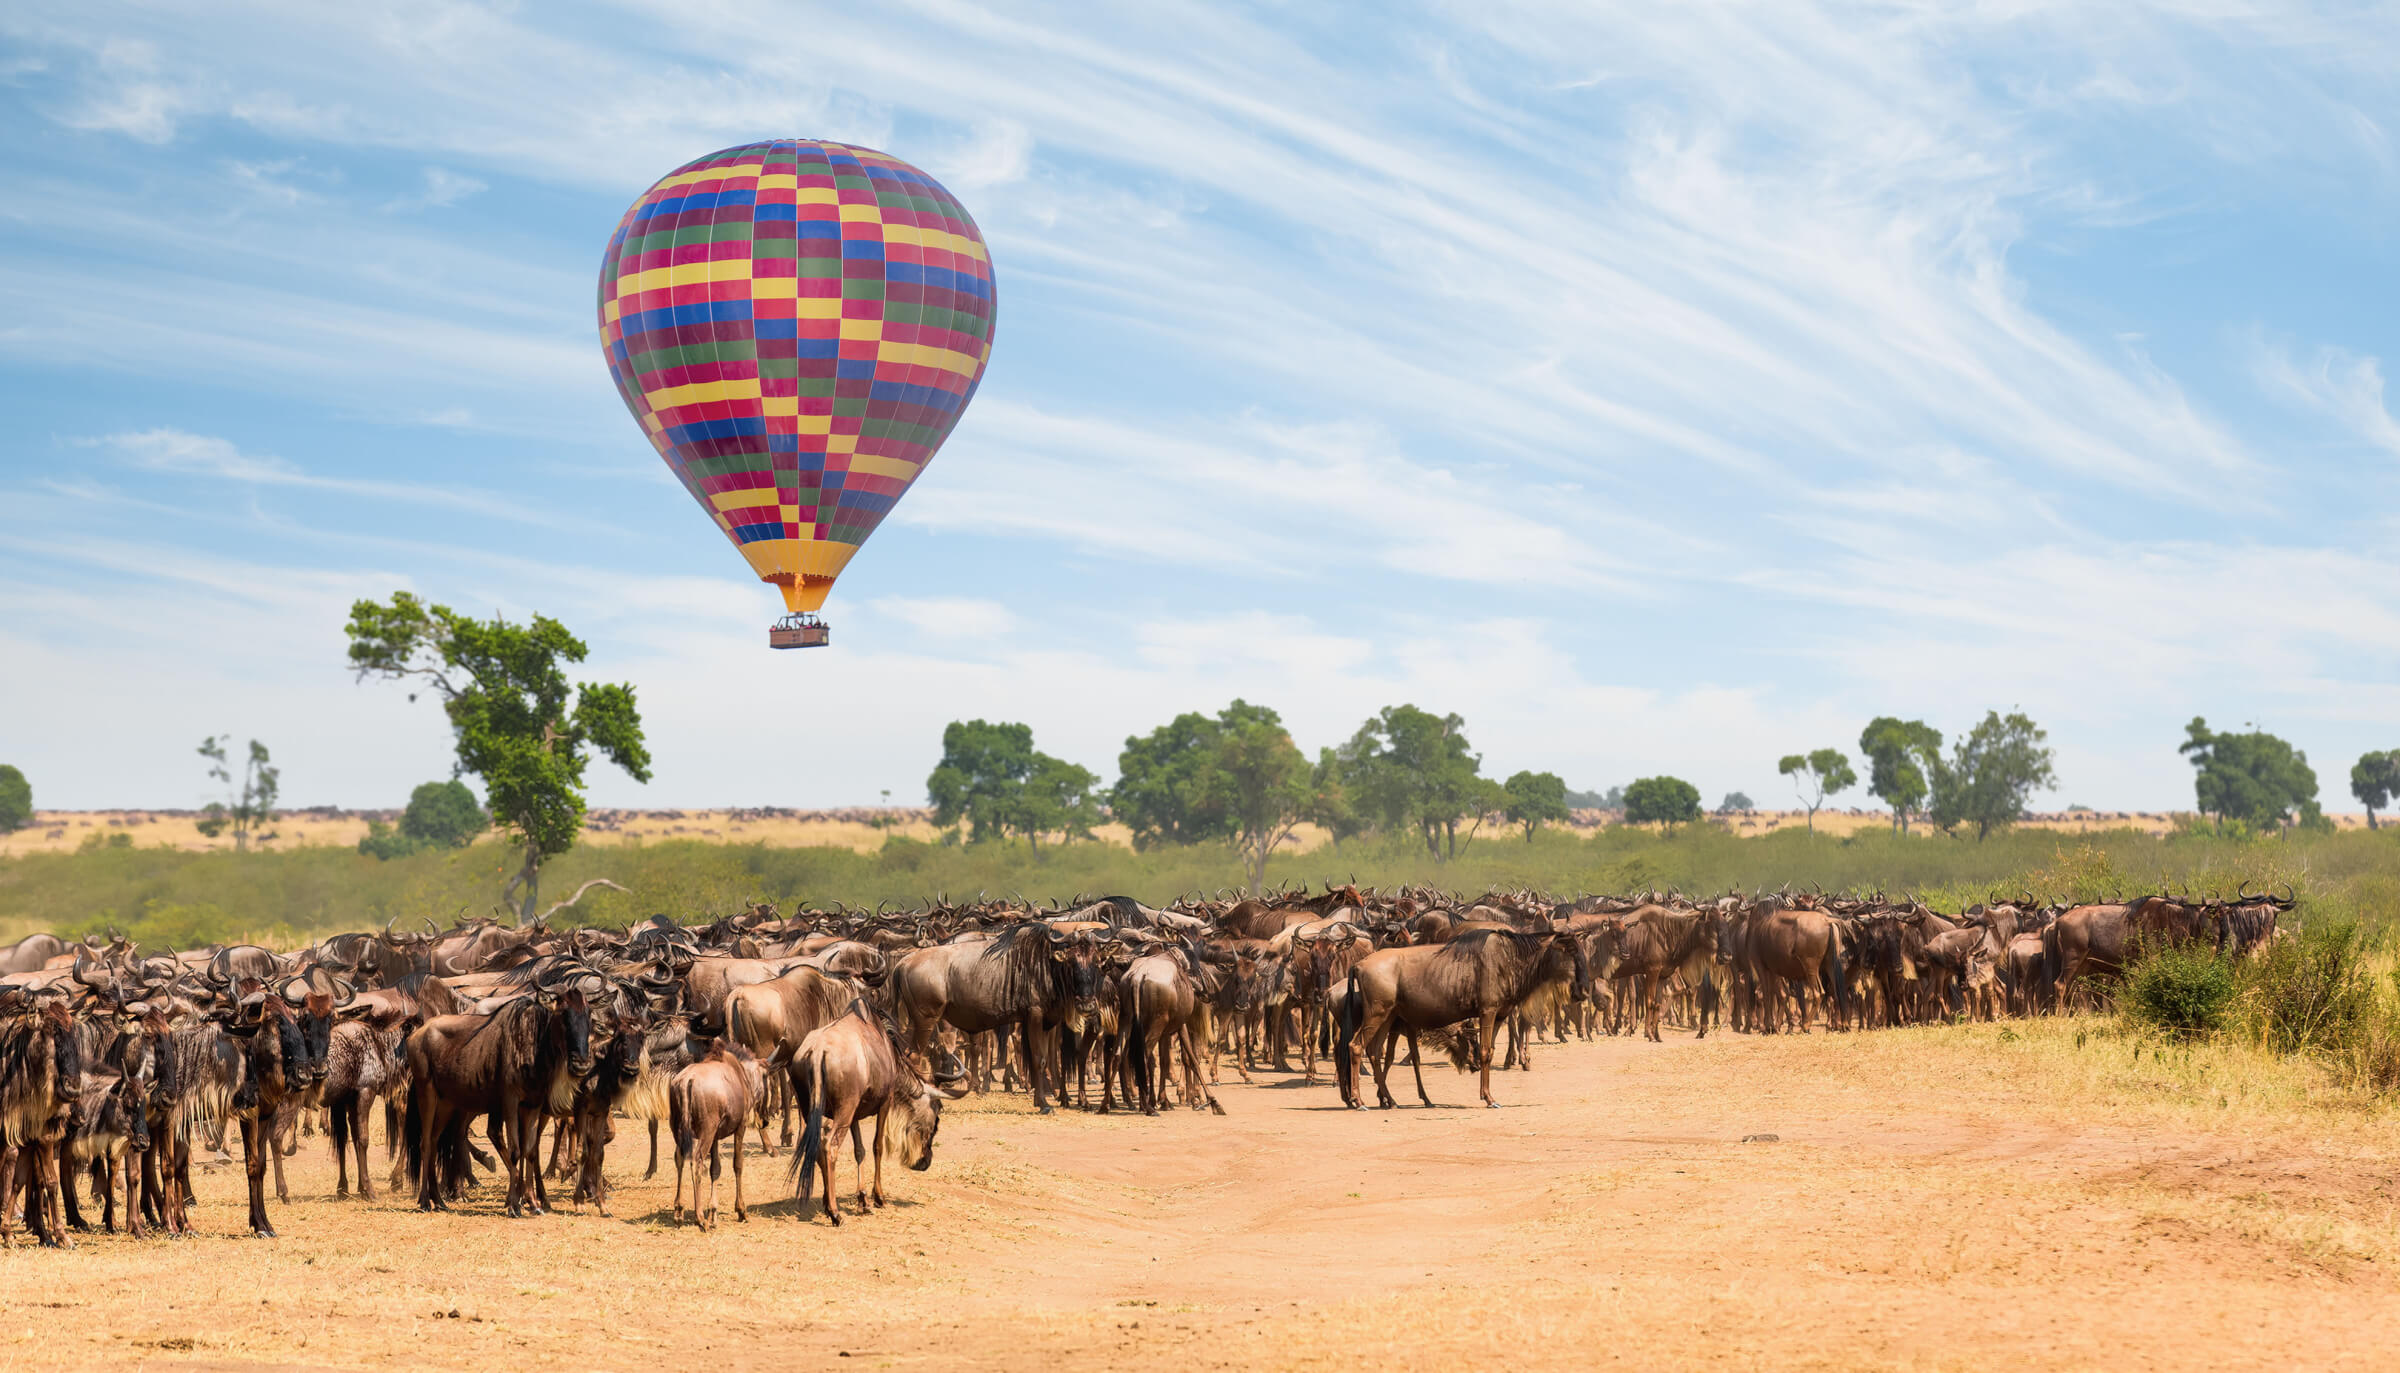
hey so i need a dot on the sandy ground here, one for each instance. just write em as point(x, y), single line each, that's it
point(1922, 1205)
point(862, 829)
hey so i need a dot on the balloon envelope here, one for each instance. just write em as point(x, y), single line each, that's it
point(797, 325)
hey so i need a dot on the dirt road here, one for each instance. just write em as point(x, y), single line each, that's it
point(1914, 1210)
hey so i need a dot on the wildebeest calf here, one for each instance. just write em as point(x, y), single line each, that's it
point(706, 1104)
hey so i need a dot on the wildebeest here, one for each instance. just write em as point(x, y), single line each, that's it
point(516, 1064)
point(41, 1077)
point(1479, 975)
point(1029, 978)
point(853, 1067)
point(772, 1018)
point(708, 1104)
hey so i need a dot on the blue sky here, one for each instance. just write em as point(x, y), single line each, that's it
point(1660, 387)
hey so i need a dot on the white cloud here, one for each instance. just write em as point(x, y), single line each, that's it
point(174, 451)
point(443, 188)
point(2343, 385)
point(949, 618)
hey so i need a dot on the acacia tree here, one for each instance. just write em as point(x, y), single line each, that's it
point(1816, 776)
point(1902, 756)
point(252, 799)
point(519, 726)
point(993, 780)
point(1534, 797)
point(1331, 805)
point(16, 799)
point(1991, 773)
point(2255, 778)
point(2375, 781)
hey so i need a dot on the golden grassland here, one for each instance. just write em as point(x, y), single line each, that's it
point(863, 829)
point(1931, 1198)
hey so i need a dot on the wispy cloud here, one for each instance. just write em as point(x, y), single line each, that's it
point(2345, 386)
point(443, 187)
point(174, 451)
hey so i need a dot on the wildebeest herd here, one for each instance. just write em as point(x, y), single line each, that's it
point(115, 1062)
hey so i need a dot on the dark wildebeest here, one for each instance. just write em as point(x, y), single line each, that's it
point(517, 1064)
point(41, 1077)
point(2092, 941)
point(856, 1066)
point(1480, 975)
point(277, 1064)
point(1029, 978)
point(707, 1104)
point(362, 1064)
point(107, 1133)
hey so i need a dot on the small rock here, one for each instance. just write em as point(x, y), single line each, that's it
point(1761, 1139)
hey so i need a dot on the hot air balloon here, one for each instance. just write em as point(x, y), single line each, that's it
point(797, 325)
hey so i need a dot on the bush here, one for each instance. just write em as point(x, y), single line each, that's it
point(2183, 989)
point(444, 814)
point(2311, 992)
point(386, 843)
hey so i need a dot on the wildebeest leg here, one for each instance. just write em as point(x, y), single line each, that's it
point(858, 1160)
point(652, 1171)
point(1191, 1063)
point(879, 1119)
point(1416, 1064)
point(740, 1211)
point(73, 1203)
point(276, 1126)
point(257, 1143)
point(1028, 1032)
point(1487, 1029)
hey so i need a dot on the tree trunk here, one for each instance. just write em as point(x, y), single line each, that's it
point(532, 875)
point(2371, 819)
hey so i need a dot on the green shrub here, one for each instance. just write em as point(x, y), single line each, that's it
point(386, 843)
point(2311, 992)
point(2182, 989)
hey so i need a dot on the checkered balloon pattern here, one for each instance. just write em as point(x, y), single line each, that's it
point(797, 325)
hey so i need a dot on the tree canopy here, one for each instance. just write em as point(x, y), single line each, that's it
point(519, 726)
point(1991, 773)
point(1667, 801)
point(1736, 800)
point(2374, 780)
point(1816, 776)
point(1902, 756)
point(993, 780)
point(16, 799)
point(1533, 798)
point(1412, 770)
point(444, 815)
point(2255, 778)
point(1264, 783)
point(1331, 805)
point(1171, 787)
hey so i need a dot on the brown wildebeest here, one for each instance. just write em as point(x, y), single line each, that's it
point(1654, 943)
point(1801, 947)
point(515, 1064)
point(277, 1063)
point(856, 1066)
point(1480, 975)
point(41, 1077)
point(1029, 978)
point(708, 1103)
point(1161, 1010)
point(709, 981)
point(772, 1018)
point(2082, 942)
point(31, 954)
point(361, 1065)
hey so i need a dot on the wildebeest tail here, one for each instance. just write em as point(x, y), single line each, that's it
point(810, 1086)
point(1347, 1015)
point(412, 1147)
point(338, 1123)
point(2049, 987)
point(1836, 972)
point(1137, 1043)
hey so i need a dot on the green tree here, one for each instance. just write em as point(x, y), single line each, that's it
point(1331, 806)
point(1057, 799)
point(1534, 797)
point(1902, 756)
point(1162, 792)
point(2255, 778)
point(1412, 770)
point(1736, 800)
point(1667, 801)
point(1261, 782)
point(1816, 776)
point(980, 781)
point(443, 815)
point(16, 799)
point(1990, 774)
point(1170, 789)
point(385, 842)
point(519, 726)
point(2374, 780)
point(252, 800)
point(1611, 799)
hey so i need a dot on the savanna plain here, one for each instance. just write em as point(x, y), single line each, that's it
point(2059, 1192)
